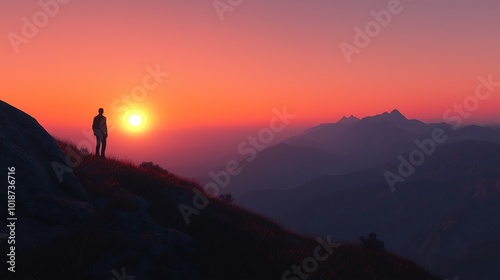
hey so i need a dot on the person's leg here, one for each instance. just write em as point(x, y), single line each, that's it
point(98, 145)
point(103, 151)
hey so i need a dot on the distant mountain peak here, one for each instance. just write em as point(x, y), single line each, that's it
point(349, 120)
point(394, 116)
point(396, 113)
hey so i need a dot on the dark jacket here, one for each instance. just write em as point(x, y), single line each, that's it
point(99, 126)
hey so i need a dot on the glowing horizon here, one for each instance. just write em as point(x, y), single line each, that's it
point(182, 67)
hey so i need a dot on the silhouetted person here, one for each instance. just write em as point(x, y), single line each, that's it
point(100, 131)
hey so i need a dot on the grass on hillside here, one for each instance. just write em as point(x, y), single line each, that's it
point(230, 242)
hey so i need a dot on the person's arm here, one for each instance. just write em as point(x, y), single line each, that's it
point(94, 126)
point(105, 128)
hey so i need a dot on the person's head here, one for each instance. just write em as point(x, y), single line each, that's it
point(101, 111)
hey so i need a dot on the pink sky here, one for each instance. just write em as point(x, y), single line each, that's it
point(264, 55)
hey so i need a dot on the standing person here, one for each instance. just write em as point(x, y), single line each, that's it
point(100, 131)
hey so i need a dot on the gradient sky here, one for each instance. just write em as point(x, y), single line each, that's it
point(264, 55)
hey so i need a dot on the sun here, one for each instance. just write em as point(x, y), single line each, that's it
point(134, 120)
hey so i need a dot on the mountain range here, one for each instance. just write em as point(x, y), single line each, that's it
point(445, 216)
point(346, 146)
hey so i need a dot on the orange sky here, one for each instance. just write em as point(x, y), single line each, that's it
point(264, 55)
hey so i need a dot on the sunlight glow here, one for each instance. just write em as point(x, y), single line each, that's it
point(135, 120)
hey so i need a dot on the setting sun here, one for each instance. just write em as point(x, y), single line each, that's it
point(134, 120)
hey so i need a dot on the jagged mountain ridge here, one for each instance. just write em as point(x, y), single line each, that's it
point(352, 146)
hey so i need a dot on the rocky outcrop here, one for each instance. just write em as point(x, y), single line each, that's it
point(45, 203)
point(50, 201)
